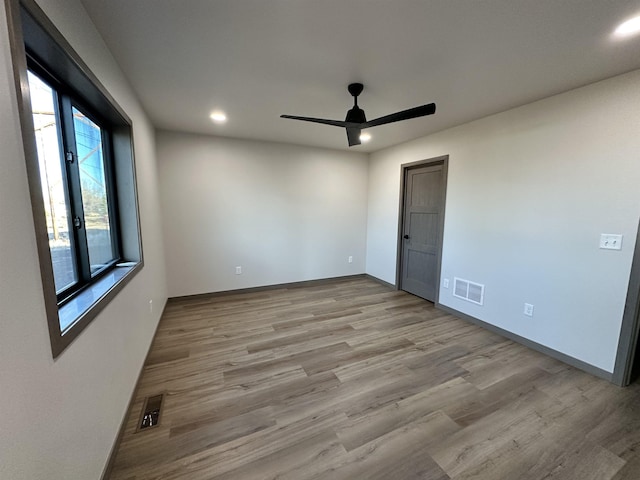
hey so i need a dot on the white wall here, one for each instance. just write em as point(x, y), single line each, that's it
point(283, 213)
point(58, 419)
point(529, 192)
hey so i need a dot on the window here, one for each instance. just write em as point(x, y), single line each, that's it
point(81, 171)
point(74, 162)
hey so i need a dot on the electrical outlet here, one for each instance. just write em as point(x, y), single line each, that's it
point(350, 259)
point(238, 270)
point(445, 283)
point(528, 310)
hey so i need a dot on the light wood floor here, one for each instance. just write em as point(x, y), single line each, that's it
point(353, 380)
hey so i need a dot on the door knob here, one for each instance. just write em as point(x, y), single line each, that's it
point(406, 237)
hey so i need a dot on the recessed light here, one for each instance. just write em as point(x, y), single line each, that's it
point(218, 116)
point(628, 28)
point(365, 137)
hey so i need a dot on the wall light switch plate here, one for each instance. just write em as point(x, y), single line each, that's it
point(610, 241)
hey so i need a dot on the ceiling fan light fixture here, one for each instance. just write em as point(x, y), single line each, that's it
point(365, 137)
point(218, 116)
point(628, 28)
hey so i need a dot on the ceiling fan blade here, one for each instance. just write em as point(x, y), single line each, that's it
point(353, 135)
point(415, 112)
point(335, 123)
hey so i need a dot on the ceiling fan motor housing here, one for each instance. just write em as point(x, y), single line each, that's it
point(356, 115)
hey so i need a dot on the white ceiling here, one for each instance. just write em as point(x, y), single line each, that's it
point(257, 59)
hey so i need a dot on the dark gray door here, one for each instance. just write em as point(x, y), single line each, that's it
point(424, 189)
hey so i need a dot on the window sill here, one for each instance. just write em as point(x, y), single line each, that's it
point(89, 302)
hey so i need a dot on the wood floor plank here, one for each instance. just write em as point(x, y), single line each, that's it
point(372, 424)
point(400, 453)
point(349, 379)
point(298, 462)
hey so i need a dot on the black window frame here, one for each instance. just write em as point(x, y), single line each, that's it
point(66, 99)
point(37, 45)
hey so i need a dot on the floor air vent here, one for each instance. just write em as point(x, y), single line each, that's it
point(151, 412)
point(470, 291)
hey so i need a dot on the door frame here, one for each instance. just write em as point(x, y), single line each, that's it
point(441, 160)
point(630, 329)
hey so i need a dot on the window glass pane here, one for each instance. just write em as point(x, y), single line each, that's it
point(56, 204)
point(94, 190)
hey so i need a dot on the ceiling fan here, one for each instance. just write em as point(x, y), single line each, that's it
point(356, 120)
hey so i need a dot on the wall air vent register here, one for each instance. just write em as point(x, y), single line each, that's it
point(467, 290)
